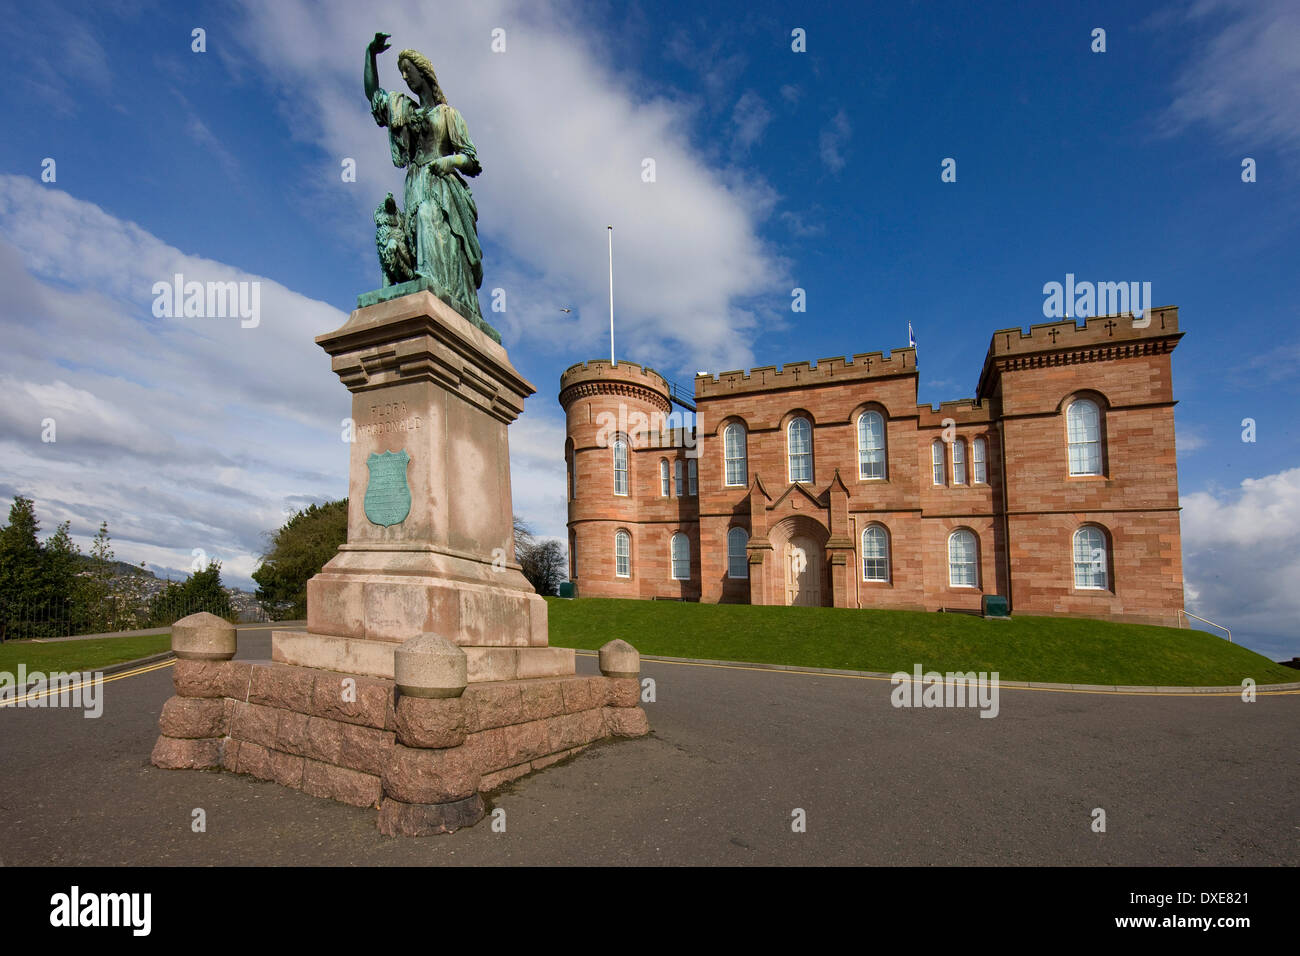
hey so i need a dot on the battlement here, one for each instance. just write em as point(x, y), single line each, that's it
point(827, 371)
point(1097, 329)
point(600, 376)
point(962, 411)
point(1100, 337)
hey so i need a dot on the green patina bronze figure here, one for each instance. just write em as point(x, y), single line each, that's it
point(433, 243)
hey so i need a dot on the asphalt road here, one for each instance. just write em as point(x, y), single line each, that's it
point(733, 752)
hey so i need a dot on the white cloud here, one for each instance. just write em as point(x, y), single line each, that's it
point(750, 118)
point(1189, 438)
point(1244, 79)
point(833, 139)
point(181, 433)
point(562, 133)
point(1240, 560)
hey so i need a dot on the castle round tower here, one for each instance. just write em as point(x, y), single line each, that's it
point(611, 412)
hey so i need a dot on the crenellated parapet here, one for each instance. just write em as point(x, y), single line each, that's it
point(626, 379)
point(827, 371)
point(1065, 342)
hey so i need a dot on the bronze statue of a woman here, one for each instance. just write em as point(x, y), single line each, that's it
point(436, 237)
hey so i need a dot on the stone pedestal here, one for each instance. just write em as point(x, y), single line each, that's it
point(424, 677)
point(428, 385)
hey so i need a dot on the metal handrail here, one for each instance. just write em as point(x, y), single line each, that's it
point(1204, 621)
point(679, 395)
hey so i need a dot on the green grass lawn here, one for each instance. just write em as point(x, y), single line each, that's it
point(1049, 649)
point(80, 655)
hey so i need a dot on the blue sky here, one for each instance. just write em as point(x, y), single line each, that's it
point(774, 170)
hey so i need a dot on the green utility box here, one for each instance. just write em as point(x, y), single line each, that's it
point(996, 606)
point(568, 589)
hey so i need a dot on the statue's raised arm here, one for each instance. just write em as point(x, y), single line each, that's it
point(371, 74)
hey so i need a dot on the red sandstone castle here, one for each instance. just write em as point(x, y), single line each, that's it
point(1056, 487)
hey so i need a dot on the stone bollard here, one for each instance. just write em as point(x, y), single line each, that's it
point(618, 658)
point(203, 637)
point(430, 666)
point(431, 782)
point(620, 662)
point(193, 723)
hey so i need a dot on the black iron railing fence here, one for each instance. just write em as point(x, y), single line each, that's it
point(66, 617)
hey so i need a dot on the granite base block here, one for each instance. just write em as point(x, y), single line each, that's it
point(355, 739)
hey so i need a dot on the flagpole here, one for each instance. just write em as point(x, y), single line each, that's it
point(612, 361)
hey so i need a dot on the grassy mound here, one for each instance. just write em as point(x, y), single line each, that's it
point(1050, 649)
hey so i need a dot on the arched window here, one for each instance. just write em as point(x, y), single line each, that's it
point(677, 476)
point(620, 466)
point(875, 553)
point(871, 445)
point(663, 477)
point(963, 559)
point(936, 461)
point(573, 556)
point(1083, 432)
point(693, 476)
point(1090, 570)
point(570, 459)
point(737, 465)
point(623, 554)
point(978, 473)
point(800, 446)
point(737, 559)
point(959, 462)
point(680, 552)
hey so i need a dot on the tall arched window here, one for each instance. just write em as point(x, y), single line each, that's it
point(677, 477)
point(800, 446)
point(736, 463)
point(570, 459)
point(871, 445)
point(875, 553)
point(737, 559)
point(663, 477)
point(1090, 566)
point(620, 466)
point(623, 554)
point(963, 559)
point(978, 472)
point(959, 462)
point(573, 556)
point(1083, 432)
point(680, 553)
point(693, 476)
point(936, 461)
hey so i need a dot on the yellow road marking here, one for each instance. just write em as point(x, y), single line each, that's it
point(37, 695)
point(1052, 690)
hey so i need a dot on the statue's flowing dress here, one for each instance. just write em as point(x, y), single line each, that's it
point(440, 213)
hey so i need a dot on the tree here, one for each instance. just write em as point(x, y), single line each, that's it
point(61, 565)
point(298, 551)
point(201, 591)
point(545, 566)
point(21, 584)
point(541, 559)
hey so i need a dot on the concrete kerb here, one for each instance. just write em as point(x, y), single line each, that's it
point(1291, 687)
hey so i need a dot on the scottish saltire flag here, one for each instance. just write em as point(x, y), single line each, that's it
point(911, 339)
